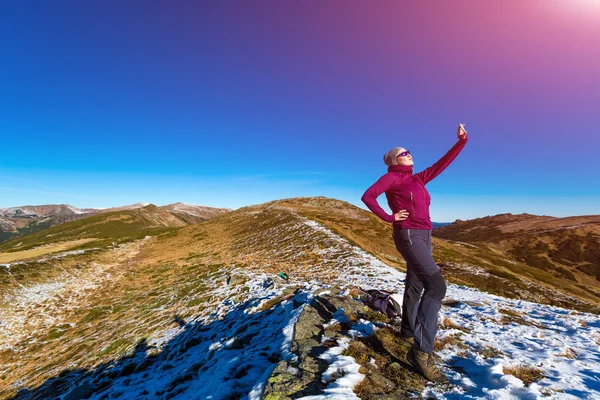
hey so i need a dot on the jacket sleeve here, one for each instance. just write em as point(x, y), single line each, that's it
point(428, 174)
point(370, 197)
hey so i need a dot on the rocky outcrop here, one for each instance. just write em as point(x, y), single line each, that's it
point(6, 225)
point(302, 375)
point(328, 322)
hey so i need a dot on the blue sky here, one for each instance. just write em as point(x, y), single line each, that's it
point(228, 104)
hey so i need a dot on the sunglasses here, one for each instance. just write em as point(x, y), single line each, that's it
point(404, 153)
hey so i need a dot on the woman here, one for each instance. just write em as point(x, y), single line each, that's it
point(409, 201)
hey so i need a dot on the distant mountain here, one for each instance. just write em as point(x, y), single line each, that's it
point(191, 213)
point(491, 227)
point(43, 211)
point(24, 220)
point(97, 230)
point(440, 224)
point(568, 248)
point(134, 206)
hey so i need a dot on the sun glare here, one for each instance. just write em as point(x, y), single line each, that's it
point(577, 11)
point(582, 5)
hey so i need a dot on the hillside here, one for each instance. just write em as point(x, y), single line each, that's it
point(566, 248)
point(200, 310)
point(95, 231)
point(192, 214)
point(21, 221)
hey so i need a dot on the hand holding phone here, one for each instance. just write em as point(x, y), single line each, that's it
point(461, 132)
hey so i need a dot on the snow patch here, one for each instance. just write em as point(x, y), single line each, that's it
point(341, 375)
point(76, 210)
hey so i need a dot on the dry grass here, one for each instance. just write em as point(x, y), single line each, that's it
point(447, 323)
point(511, 316)
point(463, 354)
point(512, 313)
point(355, 292)
point(42, 250)
point(360, 352)
point(490, 352)
point(569, 353)
point(374, 316)
point(527, 374)
point(582, 323)
point(449, 340)
point(390, 377)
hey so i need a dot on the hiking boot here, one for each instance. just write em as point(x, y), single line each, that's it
point(424, 363)
point(440, 375)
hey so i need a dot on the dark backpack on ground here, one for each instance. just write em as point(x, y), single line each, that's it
point(387, 303)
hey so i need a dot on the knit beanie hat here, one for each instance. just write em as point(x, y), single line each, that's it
point(390, 157)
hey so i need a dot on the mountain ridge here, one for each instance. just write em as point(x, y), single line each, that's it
point(179, 304)
point(24, 220)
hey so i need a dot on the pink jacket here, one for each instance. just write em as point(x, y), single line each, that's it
point(405, 191)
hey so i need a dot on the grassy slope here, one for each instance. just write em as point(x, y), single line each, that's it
point(505, 276)
point(251, 233)
point(146, 287)
point(103, 231)
point(26, 230)
point(120, 226)
point(561, 252)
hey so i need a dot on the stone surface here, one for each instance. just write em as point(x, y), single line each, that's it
point(308, 345)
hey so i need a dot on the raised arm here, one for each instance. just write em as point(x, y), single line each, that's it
point(372, 193)
point(428, 174)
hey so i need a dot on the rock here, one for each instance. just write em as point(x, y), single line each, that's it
point(310, 364)
point(395, 366)
point(309, 325)
point(305, 346)
point(82, 391)
point(290, 380)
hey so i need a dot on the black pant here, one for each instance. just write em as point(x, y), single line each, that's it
point(420, 314)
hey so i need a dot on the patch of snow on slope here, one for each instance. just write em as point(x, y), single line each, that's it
point(341, 375)
point(76, 210)
point(226, 357)
point(186, 208)
point(45, 301)
point(14, 212)
point(40, 306)
point(7, 225)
